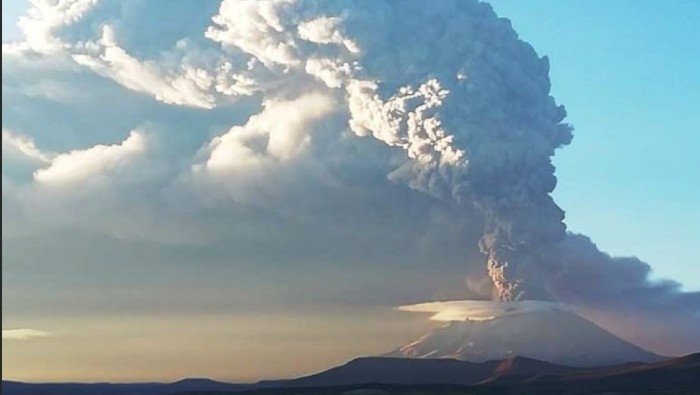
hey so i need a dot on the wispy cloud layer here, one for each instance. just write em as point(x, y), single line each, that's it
point(24, 334)
point(480, 310)
point(23, 146)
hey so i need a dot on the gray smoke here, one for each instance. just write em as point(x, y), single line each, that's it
point(481, 128)
point(452, 85)
point(447, 82)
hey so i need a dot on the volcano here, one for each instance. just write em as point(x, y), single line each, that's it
point(559, 337)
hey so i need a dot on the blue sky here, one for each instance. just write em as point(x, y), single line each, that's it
point(628, 74)
point(11, 10)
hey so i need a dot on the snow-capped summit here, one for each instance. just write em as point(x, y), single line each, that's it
point(555, 336)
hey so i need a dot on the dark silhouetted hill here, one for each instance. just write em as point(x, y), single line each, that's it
point(424, 371)
point(384, 376)
point(186, 385)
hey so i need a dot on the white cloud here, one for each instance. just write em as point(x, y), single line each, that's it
point(479, 310)
point(24, 334)
point(46, 17)
point(326, 30)
point(184, 75)
point(186, 86)
point(23, 146)
point(79, 165)
point(332, 72)
point(279, 132)
point(257, 28)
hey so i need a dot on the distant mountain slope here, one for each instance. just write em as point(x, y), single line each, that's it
point(18, 388)
point(391, 376)
point(380, 376)
point(423, 371)
point(558, 337)
point(670, 370)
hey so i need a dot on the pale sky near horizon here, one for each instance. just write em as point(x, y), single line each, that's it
point(100, 285)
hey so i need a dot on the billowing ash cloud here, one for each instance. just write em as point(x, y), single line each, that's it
point(476, 120)
point(303, 109)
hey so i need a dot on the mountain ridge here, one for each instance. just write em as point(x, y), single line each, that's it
point(679, 373)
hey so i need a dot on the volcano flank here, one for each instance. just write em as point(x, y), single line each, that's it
point(555, 336)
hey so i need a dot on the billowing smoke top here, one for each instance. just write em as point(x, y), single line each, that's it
point(448, 82)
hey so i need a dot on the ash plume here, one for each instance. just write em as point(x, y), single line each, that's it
point(449, 83)
point(465, 99)
point(482, 133)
